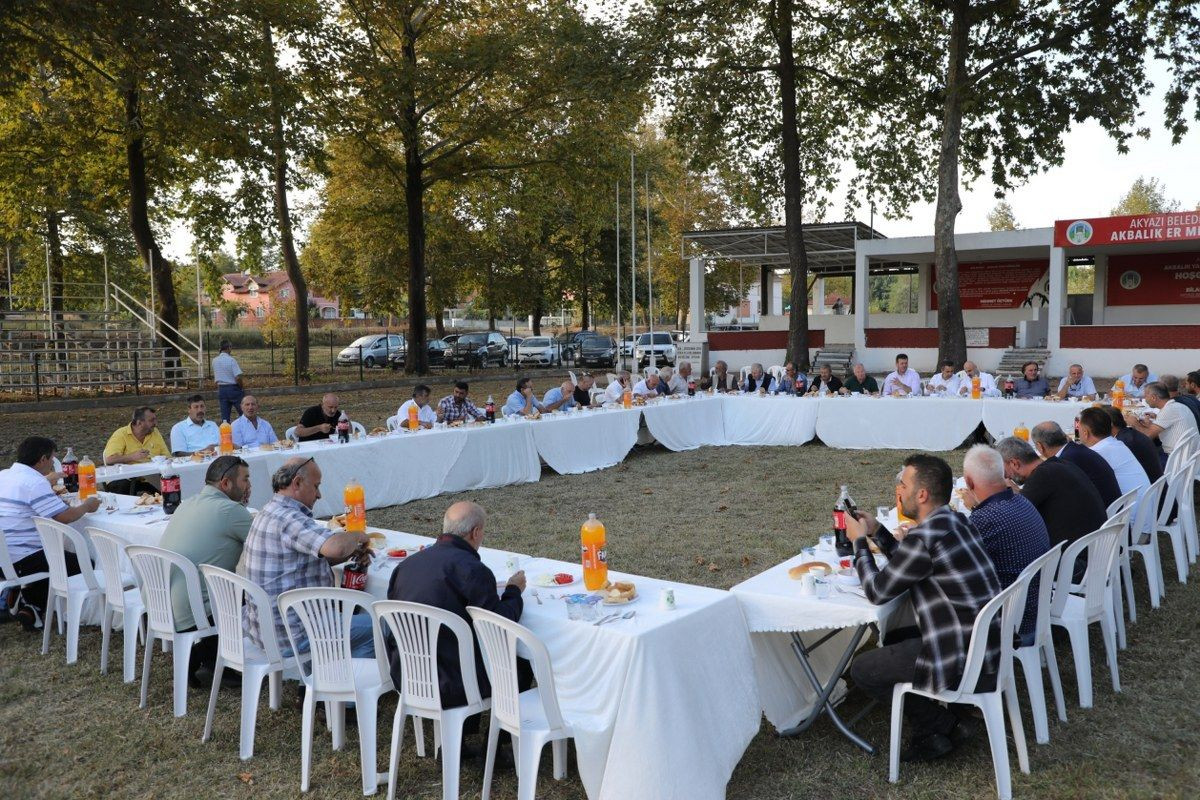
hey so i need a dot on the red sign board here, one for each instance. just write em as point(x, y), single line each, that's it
point(1157, 279)
point(1176, 226)
point(995, 284)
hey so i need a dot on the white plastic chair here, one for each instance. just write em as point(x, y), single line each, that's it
point(532, 718)
point(1124, 508)
point(153, 567)
point(776, 372)
point(118, 600)
point(333, 675)
point(226, 594)
point(1184, 449)
point(1076, 606)
point(67, 593)
point(393, 422)
point(9, 579)
point(1179, 485)
point(742, 373)
point(611, 377)
point(574, 380)
point(1144, 524)
point(290, 433)
point(357, 428)
point(1031, 657)
point(415, 628)
point(1187, 509)
point(1008, 603)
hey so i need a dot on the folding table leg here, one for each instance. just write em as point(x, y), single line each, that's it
point(823, 704)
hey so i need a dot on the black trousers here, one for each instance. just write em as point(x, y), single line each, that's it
point(35, 593)
point(877, 671)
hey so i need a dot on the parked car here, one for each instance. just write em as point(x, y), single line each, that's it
point(627, 345)
point(663, 348)
point(681, 336)
point(478, 350)
point(539, 351)
point(435, 350)
point(451, 338)
point(513, 343)
point(375, 350)
point(570, 343)
point(598, 351)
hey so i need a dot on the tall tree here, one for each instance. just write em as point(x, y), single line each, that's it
point(1145, 196)
point(1002, 218)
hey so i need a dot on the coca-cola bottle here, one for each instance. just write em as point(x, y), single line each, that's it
point(354, 574)
point(490, 409)
point(170, 490)
point(70, 470)
point(691, 387)
point(843, 507)
point(343, 428)
point(1076, 427)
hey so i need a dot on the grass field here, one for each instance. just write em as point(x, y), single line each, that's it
point(69, 732)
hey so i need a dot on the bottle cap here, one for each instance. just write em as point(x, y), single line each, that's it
point(591, 515)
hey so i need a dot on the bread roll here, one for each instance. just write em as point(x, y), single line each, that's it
point(800, 570)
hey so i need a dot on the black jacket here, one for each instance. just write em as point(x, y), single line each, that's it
point(1099, 472)
point(450, 575)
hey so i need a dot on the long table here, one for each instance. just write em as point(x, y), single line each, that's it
point(403, 466)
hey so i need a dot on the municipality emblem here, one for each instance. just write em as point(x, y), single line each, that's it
point(1079, 232)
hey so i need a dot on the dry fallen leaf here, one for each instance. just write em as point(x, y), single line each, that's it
point(647, 491)
point(747, 561)
point(699, 560)
point(722, 507)
point(246, 777)
point(713, 568)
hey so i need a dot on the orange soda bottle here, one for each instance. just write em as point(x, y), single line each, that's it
point(595, 559)
point(1118, 394)
point(627, 398)
point(356, 507)
point(413, 417)
point(226, 446)
point(1021, 432)
point(975, 388)
point(87, 478)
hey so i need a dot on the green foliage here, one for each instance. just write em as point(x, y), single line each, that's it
point(1002, 218)
point(1145, 196)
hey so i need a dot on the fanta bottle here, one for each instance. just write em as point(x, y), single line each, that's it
point(356, 507)
point(413, 417)
point(1021, 432)
point(1118, 394)
point(595, 559)
point(627, 398)
point(87, 478)
point(226, 446)
point(975, 388)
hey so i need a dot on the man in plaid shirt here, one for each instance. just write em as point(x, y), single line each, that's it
point(456, 406)
point(941, 563)
point(287, 549)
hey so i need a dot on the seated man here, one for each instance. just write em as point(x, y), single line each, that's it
point(1095, 431)
point(665, 376)
point(209, 528)
point(942, 565)
point(860, 382)
point(522, 402)
point(1171, 425)
point(138, 441)
point(720, 379)
point(1012, 531)
point(194, 434)
point(1141, 445)
point(1068, 502)
point(1185, 398)
point(583, 390)
point(647, 387)
point(757, 380)
point(450, 575)
point(945, 382)
point(987, 383)
point(287, 549)
point(792, 382)
point(318, 421)
point(679, 381)
point(426, 416)
point(1076, 384)
point(902, 381)
point(560, 397)
point(1136, 379)
point(26, 493)
point(825, 381)
point(251, 430)
point(616, 390)
point(1031, 383)
point(455, 407)
point(1051, 443)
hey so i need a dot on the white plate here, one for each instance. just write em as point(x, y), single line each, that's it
point(847, 577)
point(546, 581)
point(608, 602)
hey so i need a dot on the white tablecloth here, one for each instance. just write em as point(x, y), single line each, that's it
point(687, 423)
point(771, 420)
point(916, 423)
point(1001, 416)
point(495, 455)
point(586, 440)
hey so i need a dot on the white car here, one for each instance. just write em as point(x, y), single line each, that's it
point(663, 349)
point(539, 351)
point(627, 345)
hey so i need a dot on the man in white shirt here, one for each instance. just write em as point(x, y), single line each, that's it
point(648, 387)
point(902, 381)
point(987, 384)
point(228, 376)
point(679, 382)
point(1076, 384)
point(1173, 423)
point(616, 390)
point(250, 429)
point(1095, 431)
point(426, 415)
point(194, 433)
point(944, 383)
point(1136, 379)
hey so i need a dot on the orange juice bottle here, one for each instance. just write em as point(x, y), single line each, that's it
point(1021, 432)
point(627, 398)
point(356, 507)
point(595, 559)
point(87, 478)
point(226, 446)
point(975, 388)
point(413, 417)
point(1118, 394)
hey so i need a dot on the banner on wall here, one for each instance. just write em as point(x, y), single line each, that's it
point(1176, 226)
point(995, 284)
point(1157, 279)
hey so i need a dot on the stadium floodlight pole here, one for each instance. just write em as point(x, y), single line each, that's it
point(199, 325)
point(633, 254)
point(153, 313)
point(8, 264)
point(104, 253)
point(618, 249)
point(650, 278)
point(49, 303)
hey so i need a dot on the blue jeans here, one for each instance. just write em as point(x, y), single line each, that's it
point(230, 395)
point(362, 638)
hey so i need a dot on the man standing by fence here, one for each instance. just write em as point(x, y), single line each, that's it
point(228, 375)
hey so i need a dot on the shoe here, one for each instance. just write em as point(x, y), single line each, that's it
point(927, 748)
point(28, 618)
point(965, 728)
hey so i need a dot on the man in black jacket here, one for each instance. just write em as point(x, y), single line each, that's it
point(1050, 442)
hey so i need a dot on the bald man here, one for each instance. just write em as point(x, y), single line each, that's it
point(251, 430)
point(320, 420)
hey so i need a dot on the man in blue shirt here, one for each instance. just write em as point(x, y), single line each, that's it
point(1031, 384)
point(194, 433)
point(560, 397)
point(1076, 384)
point(1136, 379)
point(1012, 531)
point(250, 429)
point(522, 402)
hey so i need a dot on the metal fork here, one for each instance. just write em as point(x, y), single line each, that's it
point(535, 597)
point(605, 619)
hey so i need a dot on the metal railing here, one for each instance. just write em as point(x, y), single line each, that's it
point(153, 321)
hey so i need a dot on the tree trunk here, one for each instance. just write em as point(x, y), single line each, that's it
point(439, 323)
point(536, 318)
point(139, 219)
point(585, 317)
point(952, 339)
point(417, 361)
point(793, 191)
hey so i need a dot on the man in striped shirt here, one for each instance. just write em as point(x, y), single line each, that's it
point(941, 563)
point(26, 493)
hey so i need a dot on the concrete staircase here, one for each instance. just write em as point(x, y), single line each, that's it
point(837, 356)
point(1014, 357)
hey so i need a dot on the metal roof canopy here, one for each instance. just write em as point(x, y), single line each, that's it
point(830, 247)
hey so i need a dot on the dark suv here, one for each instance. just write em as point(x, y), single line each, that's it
point(599, 351)
point(478, 350)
